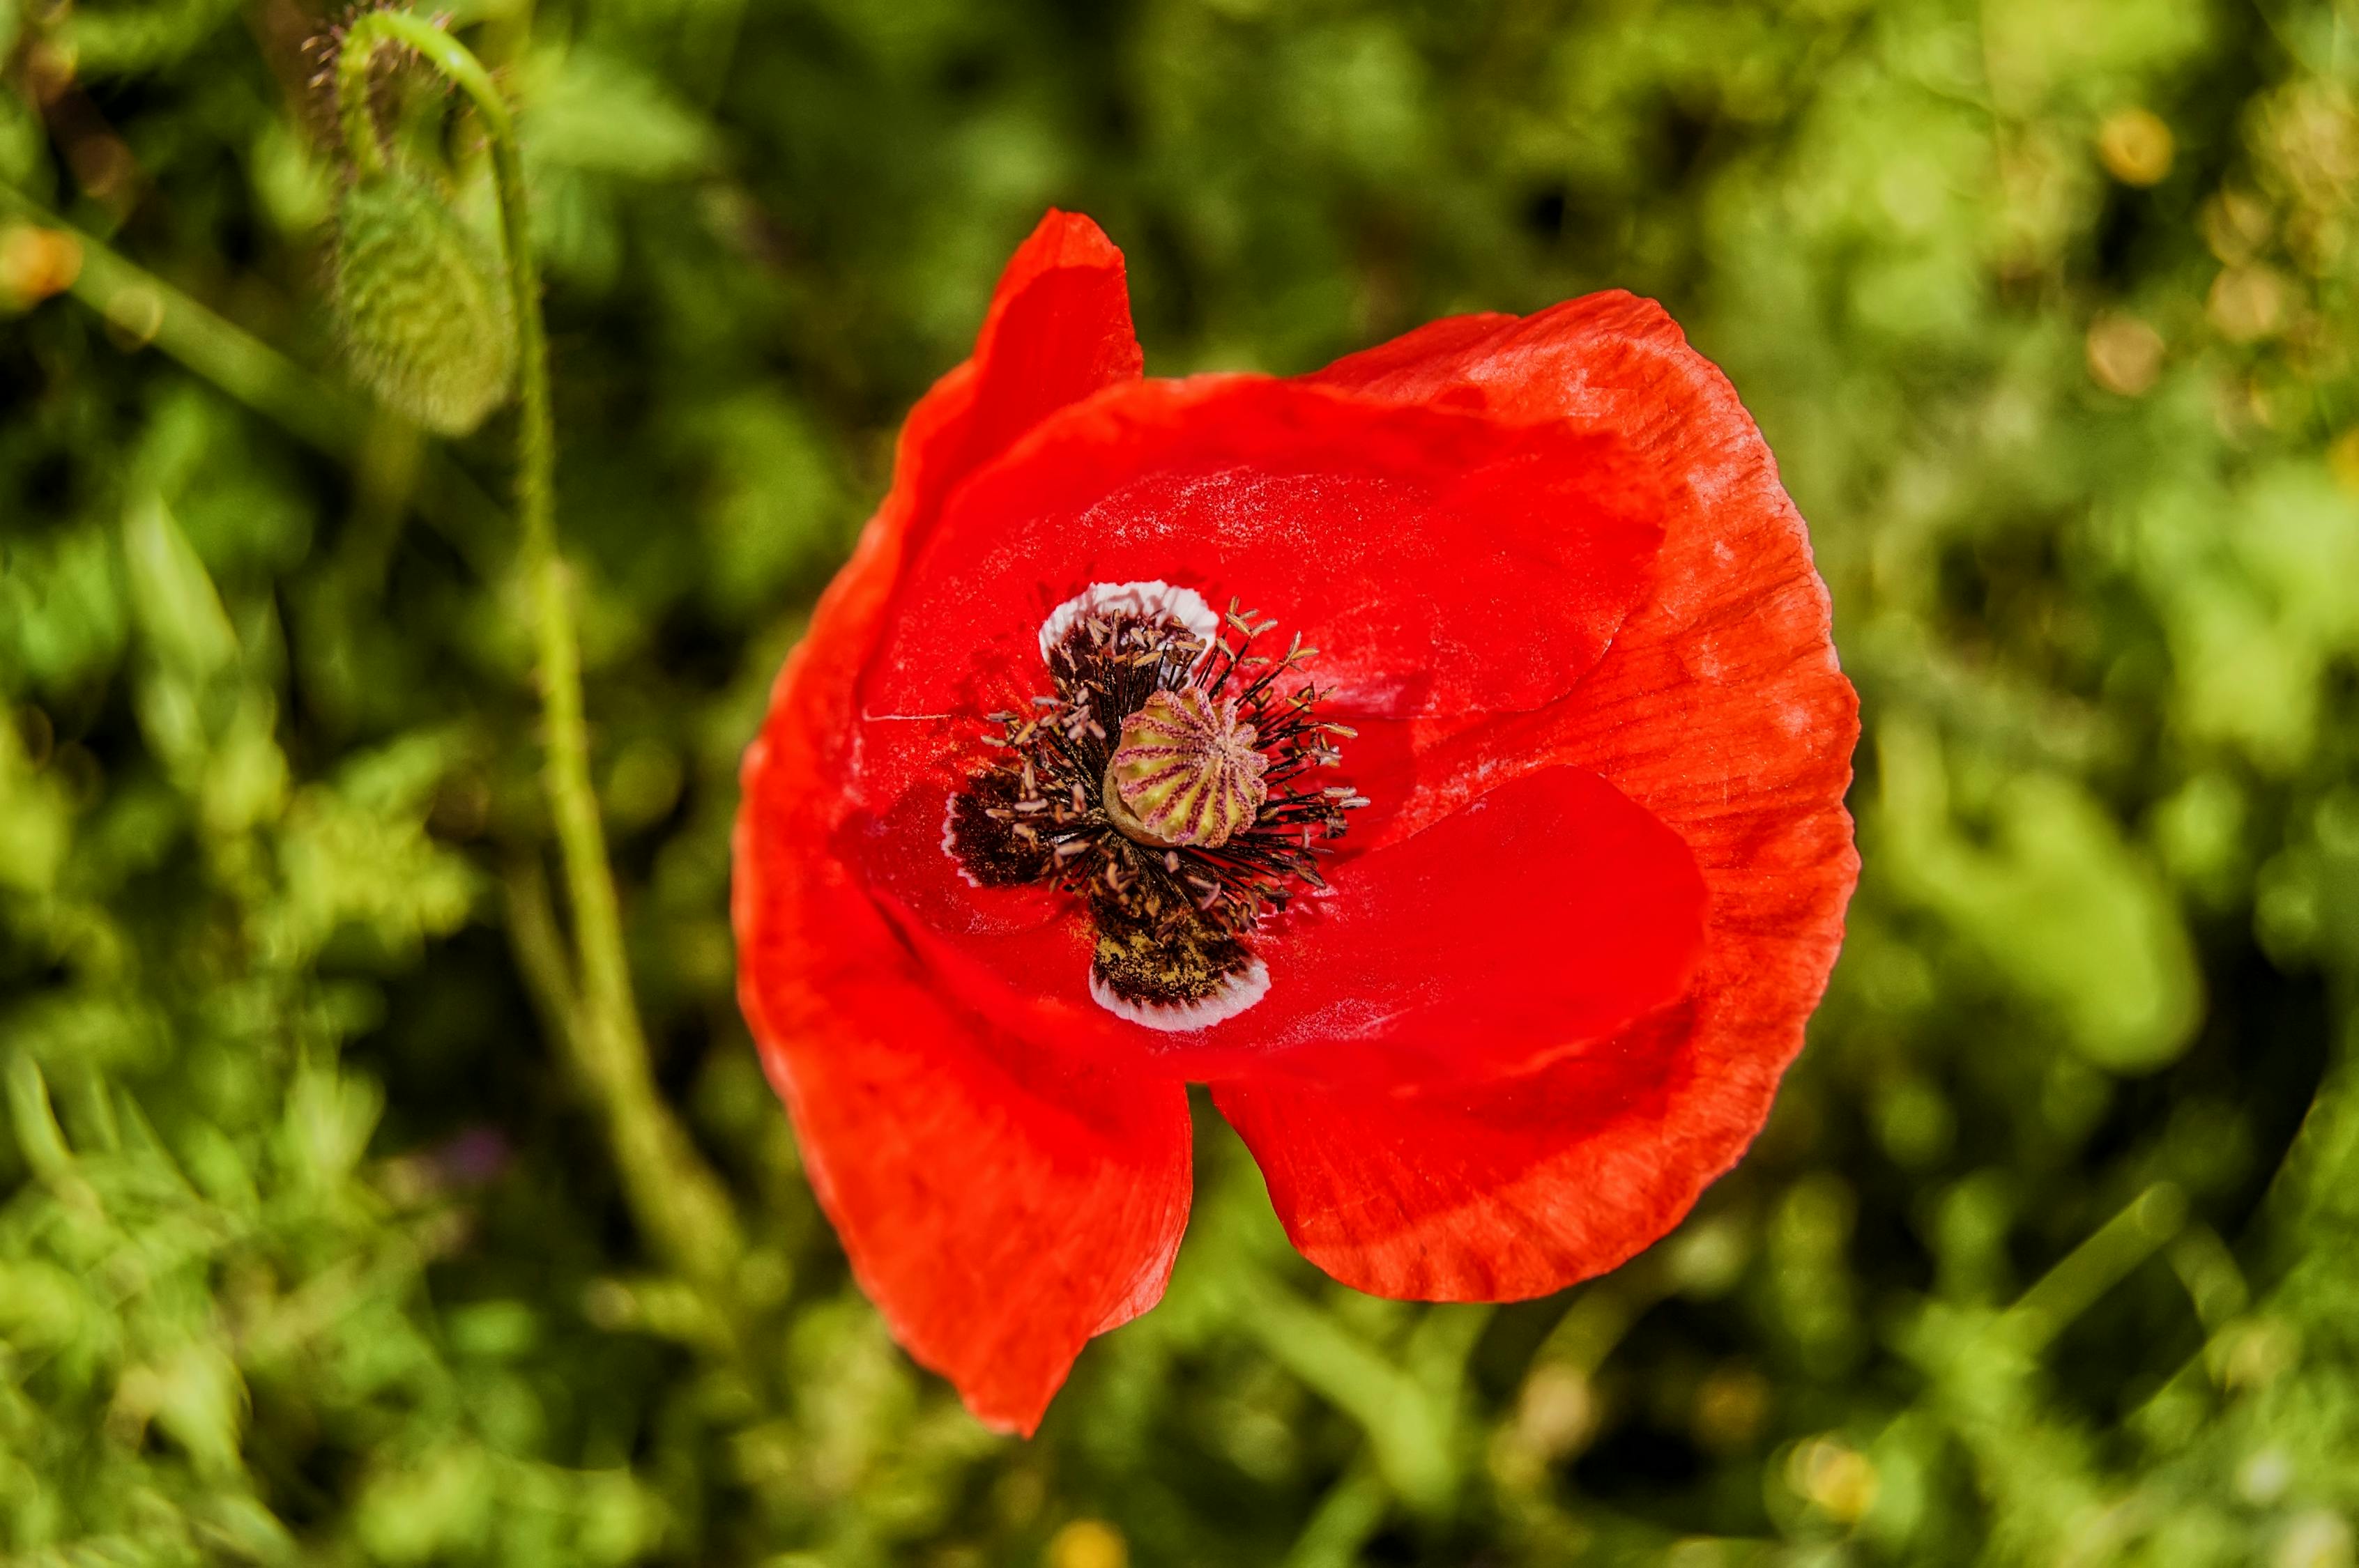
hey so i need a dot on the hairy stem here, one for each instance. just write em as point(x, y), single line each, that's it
point(674, 1193)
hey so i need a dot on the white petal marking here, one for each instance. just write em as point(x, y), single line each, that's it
point(1238, 991)
point(1150, 600)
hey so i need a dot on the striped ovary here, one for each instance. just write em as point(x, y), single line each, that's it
point(1187, 770)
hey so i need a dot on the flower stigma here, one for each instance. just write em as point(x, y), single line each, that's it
point(1185, 772)
point(1169, 780)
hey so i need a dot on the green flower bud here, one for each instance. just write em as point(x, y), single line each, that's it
point(427, 319)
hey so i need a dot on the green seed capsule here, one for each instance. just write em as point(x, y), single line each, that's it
point(427, 321)
point(1185, 772)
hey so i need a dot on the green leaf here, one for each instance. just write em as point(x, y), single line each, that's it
point(589, 110)
point(173, 600)
point(2057, 902)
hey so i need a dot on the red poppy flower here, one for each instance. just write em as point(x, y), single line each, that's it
point(1441, 755)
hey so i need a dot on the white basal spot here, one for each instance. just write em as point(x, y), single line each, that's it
point(950, 840)
point(1147, 600)
point(1237, 993)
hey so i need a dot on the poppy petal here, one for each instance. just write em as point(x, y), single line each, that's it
point(1551, 912)
point(1719, 710)
point(1440, 562)
point(1059, 329)
point(999, 1204)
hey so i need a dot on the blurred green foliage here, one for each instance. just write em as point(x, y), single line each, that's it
point(310, 1251)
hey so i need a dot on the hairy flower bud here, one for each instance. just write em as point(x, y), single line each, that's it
point(427, 321)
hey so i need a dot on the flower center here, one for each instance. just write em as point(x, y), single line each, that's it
point(1168, 782)
point(1185, 773)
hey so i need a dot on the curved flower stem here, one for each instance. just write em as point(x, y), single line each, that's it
point(241, 365)
point(673, 1193)
point(1352, 1511)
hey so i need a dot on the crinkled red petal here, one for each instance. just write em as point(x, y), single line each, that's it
point(1550, 912)
point(1057, 330)
point(1442, 562)
point(1000, 1202)
point(1720, 711)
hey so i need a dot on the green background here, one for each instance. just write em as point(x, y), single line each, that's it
point(311, 1249)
